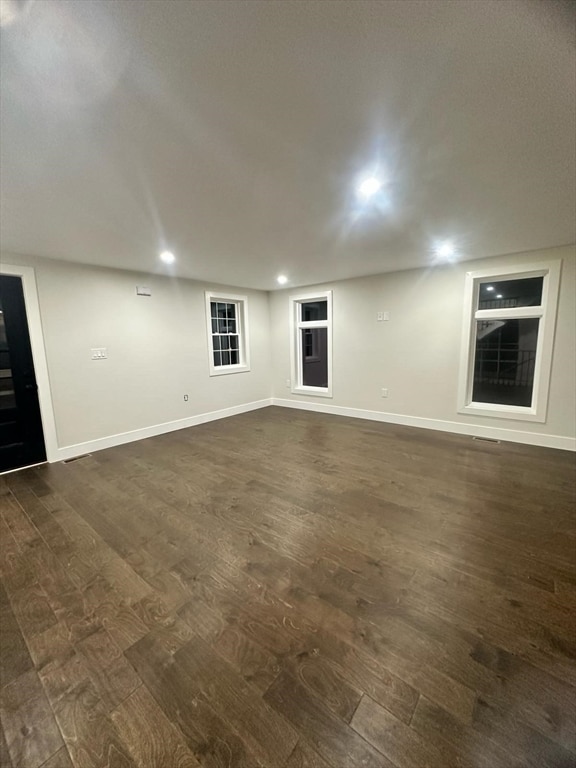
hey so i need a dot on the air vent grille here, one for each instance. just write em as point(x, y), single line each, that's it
point(77, 458)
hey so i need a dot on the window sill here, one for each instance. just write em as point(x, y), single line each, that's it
point(226, 369)
point(315, 391)
point(516, 412)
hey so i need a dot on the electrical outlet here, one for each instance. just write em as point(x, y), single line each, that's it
point(381, 316)
point(384, 392)
point(287, 383)
point(99, 353)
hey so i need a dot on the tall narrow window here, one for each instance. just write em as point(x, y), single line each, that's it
point(312, 344)
point(227, 325)
point(507, 344)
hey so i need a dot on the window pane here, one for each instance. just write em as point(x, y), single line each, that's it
point(504, 361)
point(315, 369)
point(309, 338)
point(526, 292)
point(227, 324)
point(314, 310)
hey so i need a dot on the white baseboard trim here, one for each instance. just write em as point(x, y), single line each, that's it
point(19, 469)
point(514, 436)
point(496, 433)
point(69, 451)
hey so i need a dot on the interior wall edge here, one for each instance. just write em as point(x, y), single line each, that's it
point(496, 433)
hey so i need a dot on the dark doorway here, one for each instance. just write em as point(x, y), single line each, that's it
point(21, 436)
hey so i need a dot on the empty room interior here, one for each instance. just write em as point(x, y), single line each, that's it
point(288, 384)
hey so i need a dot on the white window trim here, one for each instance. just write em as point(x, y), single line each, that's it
point(296, 325)
point(546, 312)
point(241, 326)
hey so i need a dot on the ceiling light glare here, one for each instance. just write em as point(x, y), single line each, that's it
point(445, 250)
point(9, 12)
point(489, 287)
point(499, 296)
point(369, 187)
point(167, 257)
point(282, 279)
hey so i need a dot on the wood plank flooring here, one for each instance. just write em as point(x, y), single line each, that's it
point(290, 590)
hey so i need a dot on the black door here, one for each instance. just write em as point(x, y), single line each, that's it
point(21, 437)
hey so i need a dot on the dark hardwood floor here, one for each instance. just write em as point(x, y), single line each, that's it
point(291, 590)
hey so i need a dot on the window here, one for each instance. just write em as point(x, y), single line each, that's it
point(311, 349)
point(507, 342)
point(227, 325)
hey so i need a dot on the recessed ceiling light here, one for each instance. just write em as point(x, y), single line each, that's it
point(445, 250)
point(282, 279)
point(369, 187)
point(167, 257)
point(489, 287)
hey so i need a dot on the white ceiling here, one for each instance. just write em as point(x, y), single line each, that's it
point(235, 132)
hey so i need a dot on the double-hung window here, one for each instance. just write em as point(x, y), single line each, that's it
point(507, 341)
point(227, 325)
point(311, 348)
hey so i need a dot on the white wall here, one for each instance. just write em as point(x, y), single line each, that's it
point(157, 350)
point(416, 354)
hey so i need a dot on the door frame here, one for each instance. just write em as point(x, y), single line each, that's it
point(33, 316)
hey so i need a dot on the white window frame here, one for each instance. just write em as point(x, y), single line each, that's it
point(241, 303)
point(545, 312)
point(296, 326)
